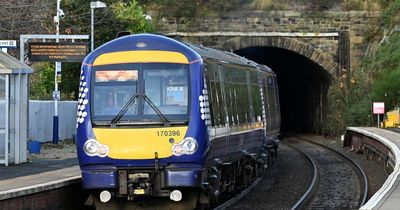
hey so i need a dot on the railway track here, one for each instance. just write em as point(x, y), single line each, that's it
point(237, 197)
point(338, 182)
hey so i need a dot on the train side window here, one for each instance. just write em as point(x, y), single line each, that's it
point(215, 96)
point(221, 95)
point(228, 99)
point(255, 92)
point(243, 103)
point(239, 76)
point(249, 104)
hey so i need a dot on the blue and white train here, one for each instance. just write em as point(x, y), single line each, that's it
point(158, 117)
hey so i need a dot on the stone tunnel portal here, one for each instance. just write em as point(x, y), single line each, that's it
point(303, 87)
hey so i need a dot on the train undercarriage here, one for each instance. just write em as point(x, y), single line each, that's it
point(148, 188)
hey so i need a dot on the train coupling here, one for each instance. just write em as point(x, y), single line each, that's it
point(139, 184)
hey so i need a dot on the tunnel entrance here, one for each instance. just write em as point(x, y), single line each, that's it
point(303, 87)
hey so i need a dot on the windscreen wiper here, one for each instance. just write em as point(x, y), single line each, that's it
point(124, 109)
point(159, 113)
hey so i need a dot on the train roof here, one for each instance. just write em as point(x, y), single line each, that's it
point(265, 68)
point(219, 55)
point(158, 42)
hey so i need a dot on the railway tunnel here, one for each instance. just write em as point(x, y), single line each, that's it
point(303, 87)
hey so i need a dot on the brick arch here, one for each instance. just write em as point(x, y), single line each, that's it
point(325, 60)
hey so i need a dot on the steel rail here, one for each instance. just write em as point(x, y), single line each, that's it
point(307, 196)
point(360, 171)
point(233, 200)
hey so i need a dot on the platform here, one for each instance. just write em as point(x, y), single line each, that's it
point(37, 176)
point(388, 196)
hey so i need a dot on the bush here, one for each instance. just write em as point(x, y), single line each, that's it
point(42, 81)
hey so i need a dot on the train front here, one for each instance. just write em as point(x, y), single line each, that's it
point(140, 124)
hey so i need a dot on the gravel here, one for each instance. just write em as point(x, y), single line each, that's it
point(374, 169)
point(276, 190)
point(65, 149)
point(285, 182)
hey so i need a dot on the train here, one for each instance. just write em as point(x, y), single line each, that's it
point(161, 118)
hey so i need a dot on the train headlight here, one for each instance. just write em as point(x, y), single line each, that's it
point(94, 148)
point(188, 146)
point(91, 147)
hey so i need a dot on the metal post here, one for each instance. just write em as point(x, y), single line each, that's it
point(94, 5)
point(55, 118)
point(91, 29)
point(378, 120)
point(7, 120)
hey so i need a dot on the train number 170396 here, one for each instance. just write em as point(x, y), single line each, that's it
point(169, 133)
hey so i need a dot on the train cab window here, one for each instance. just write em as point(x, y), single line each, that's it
point(112, 90)
point(167, 89)
point(140, 93)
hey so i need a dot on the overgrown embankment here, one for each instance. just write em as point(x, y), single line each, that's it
point(378, 78)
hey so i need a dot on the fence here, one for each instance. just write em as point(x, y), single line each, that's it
point(41, 120)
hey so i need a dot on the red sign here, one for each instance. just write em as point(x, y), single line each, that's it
point(378, 107)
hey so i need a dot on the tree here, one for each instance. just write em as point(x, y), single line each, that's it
point(387, 89)
point(118, 16)
point(132, 16)
point(42, 81)
point(23, 17)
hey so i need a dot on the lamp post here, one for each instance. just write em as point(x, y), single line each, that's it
point(94, 5)
point(59, 15)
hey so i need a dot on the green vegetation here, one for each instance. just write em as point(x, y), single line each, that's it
point(42, 81)
point(361, 5)
point(377, 80)
point(385, 64)
point(118, 16)
point(131, 15)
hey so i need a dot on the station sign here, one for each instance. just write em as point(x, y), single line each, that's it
point(52, 51)
point(378, 108)
point(8, 43)
point(56, 95)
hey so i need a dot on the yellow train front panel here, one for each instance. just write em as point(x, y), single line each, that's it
point(140, 143)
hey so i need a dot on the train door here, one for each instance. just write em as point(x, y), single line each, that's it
point(278, 108)
point(271, 103)
point(273, 106)
point(219, 128)
point(266, 104)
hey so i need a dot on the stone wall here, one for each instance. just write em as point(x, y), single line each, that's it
point(355, 23)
